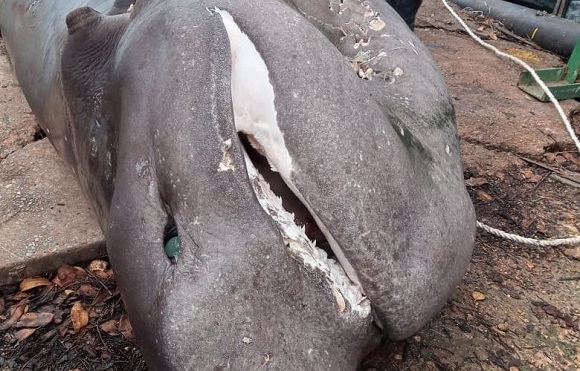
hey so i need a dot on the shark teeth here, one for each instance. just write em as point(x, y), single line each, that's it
point(344, 290)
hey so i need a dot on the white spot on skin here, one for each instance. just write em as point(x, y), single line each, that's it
point(448, 149)
point(92, 147)
point(377, 24)
point(227, 162)
point(140, 166)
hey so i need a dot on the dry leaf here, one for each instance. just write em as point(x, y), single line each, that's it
point(59, 299)
point(19, 296)
point(16, 312)
point(67, 274)
point(526, 173)
point(484, 196)
point(526, 222)
point(475, 182)
point(535, 178)
point(88, 290)
point(63, 327)
point(58, 315)
point(572, 158)
point(480, 28)
point(48, 335)
point(492, 36)
point(111, 327)
point(125, 328)
point(79, 316)
point(541, 227)
point(94, 314)
point(103, 296)
point(102, 275)
point(573, 253)
point(550, 157)
point(24, 333)
point(560, 160)
point(32, 282)
point(477, 296)
point(98, 266)
point(541, 361)
point(32, 319)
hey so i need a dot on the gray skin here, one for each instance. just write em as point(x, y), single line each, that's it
point(139, 105)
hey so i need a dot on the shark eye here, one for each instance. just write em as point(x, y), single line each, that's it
point(171, 241)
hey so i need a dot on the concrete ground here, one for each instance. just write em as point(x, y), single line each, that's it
point(44, 219)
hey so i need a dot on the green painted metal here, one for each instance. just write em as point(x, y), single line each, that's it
point(561, 81)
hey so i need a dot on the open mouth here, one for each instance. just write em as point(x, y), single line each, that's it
point(269, 166)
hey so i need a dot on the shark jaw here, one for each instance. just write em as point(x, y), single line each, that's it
point(255, 117)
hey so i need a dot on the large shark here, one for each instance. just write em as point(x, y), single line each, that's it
point(279, 182)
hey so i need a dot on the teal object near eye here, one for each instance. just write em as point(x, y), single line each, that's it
point(172, 247)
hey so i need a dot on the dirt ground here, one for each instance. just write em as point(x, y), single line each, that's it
point(517, 308)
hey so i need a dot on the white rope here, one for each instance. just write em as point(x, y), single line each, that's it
point(529, 241)
point(524, 65)
point(495, 231)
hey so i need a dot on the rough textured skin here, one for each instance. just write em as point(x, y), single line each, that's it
point(140, 106)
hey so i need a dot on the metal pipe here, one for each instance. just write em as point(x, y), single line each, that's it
point(550, 32)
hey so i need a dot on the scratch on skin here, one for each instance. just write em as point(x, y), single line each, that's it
point(227, 163)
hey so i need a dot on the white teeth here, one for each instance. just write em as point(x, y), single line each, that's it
point(343, 289)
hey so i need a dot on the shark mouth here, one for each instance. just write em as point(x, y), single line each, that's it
point(269, 167)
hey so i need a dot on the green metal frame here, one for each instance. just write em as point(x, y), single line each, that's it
point(560, 81)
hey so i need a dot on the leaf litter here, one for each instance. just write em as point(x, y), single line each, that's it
point(72, 319)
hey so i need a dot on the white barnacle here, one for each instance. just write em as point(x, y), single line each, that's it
point(227, 163)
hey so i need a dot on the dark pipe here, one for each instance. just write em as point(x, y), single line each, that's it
point(550, 32)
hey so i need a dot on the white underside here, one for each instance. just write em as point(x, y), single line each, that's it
point(255, 115)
